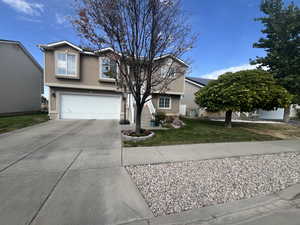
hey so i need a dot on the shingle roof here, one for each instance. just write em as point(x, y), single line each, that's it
point(199, 80)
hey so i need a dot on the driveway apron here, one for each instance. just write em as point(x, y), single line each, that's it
point(67, 172)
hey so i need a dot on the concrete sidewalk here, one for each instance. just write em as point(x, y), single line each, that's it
point(176, 153)
point(67, 173)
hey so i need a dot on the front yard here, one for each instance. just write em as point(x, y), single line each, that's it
point(204, 131)
point(11, 123)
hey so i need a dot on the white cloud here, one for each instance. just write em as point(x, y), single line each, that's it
point(217, 73)
point(25, 7)
point(60, 19)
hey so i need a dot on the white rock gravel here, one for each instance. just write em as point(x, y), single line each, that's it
point(174, 187)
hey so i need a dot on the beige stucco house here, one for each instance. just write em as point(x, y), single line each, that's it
point(80, 87)
point(192, 85)
point(21, 79)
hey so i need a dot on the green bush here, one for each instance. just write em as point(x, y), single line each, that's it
point(298, 113)
point(160, 117)
point(170, 119)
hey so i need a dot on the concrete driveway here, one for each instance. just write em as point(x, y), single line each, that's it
point(66, 173)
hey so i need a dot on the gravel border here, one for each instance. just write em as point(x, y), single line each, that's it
point(171, 188)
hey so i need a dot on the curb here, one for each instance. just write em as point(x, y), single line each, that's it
point(229, 213)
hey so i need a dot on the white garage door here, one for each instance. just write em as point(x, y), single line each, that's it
point(90, 107)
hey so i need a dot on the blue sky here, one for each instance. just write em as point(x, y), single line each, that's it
point(226, 30)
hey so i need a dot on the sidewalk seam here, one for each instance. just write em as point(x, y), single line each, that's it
point(53, 188)
point(37, 149)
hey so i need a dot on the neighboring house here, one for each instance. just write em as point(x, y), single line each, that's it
point(193, 85)
point(278, 114)
point(21, 79)
point(82, 86)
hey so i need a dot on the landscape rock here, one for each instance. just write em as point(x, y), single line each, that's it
point(171, 188)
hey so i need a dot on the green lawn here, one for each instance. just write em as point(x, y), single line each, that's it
point(204, 131)
point(11, 123)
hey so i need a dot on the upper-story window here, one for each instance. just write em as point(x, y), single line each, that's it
point(167, 71)
point(65, 64)
point(108, 68)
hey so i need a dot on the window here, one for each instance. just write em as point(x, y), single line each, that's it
point(164, 102)
point(108, 68)
point(168, 71)
point(172, 71)
point(65, 64)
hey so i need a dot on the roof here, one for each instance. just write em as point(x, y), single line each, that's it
point(59, 43)
point(24, 50)
point(81, 50)
point(174, 58)
point(199, 80)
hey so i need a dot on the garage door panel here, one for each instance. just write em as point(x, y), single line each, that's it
point(90, 107)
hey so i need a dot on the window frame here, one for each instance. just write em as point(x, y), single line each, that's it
point(56, 64)
point(101, 73)
point(166, 70)
point(170, 102)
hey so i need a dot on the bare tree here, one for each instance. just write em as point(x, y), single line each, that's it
point(144, 34)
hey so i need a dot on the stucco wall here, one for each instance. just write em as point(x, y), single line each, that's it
point(177, 85)
point(175, 104)
point(189, 96)
point(88, 76)
point(20, 81)
point(88, 67)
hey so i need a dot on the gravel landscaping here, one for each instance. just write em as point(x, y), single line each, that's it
point(174, 187)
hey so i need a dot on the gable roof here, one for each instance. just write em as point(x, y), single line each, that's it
point(60, 43)
point(64, 42)
point(173, 57)
point(18, 43)
point(199, 80)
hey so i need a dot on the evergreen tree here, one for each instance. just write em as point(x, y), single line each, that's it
point(282, 45)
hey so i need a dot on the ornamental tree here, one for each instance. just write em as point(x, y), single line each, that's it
point(243, 91)
point(143, 33)
point(282, 44)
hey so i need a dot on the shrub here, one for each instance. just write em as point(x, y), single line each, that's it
point(170, 119)
point(133, 134)
point(160, 117)
point(298, 114)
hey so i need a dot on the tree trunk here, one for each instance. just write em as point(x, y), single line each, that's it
point(286, 114)
point(228, 117)
point(124, 105)
point(138, 118)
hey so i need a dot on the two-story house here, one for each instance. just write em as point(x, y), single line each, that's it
point(21, 79)
point(81, 87)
